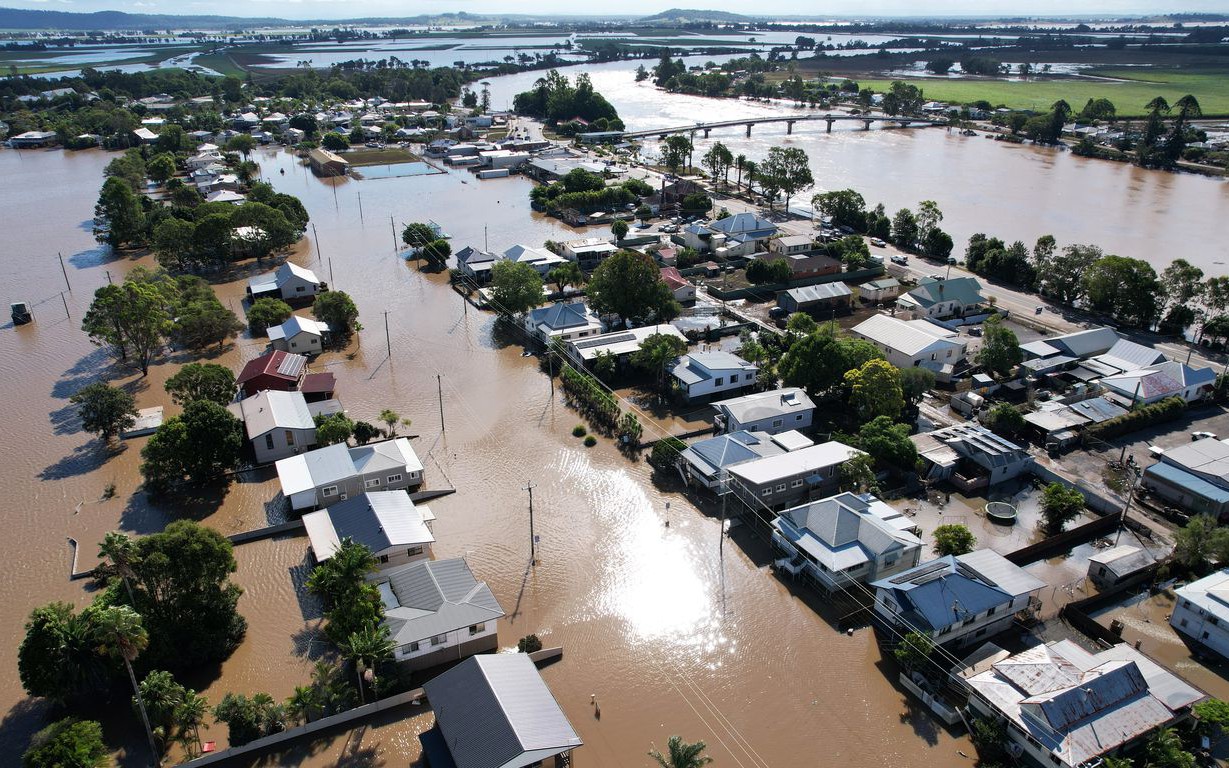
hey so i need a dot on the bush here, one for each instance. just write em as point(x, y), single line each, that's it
point(1059, 505)
point(67, 743)
point(579, 430)
point(267, 312)
point(666, 452)
point(590, 441)
point(1166, 410)
point(529, 644)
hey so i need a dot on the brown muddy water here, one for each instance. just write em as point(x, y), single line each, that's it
point(671, 632)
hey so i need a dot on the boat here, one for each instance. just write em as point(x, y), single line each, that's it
point(20, 312)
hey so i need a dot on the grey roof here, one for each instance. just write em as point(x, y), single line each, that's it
point(976, 443)
point(434, 597)
point(273, 409)
point(1211, 593)
point(386, 456)
point(1123, 560)
point(800, 462)
point(558, 316)
point(701, 366)
point(908, 338)
point(881, 284)
point(1080, 344)
point(821, 292)
point(844, 531)
point(716, 453)
point(965, 290)
point(296, 325)
point(1098, 409)
point(495, 711)
point(328, 465)
point(744, 224)
point(472, 256)
point(765, 405)
point(379, 520)
point(1126, 355)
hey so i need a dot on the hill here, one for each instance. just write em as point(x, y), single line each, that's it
point(690, 16)
point(18, 18)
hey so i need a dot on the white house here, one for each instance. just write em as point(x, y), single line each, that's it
point(739, 235)
point(336, 472)
point(620, 344)
point(290, 282)
point(588, 252)
point(386, 522)
point(1144, 386)
point(844, 540)
point(301, 335)
point(913, 343)
point(954, 600)
point(701, 374)
point(476, 264)
point(277, 424)
point(788, 244)
point(436, 611)
point(565, 322)
point(1201, 612)
point(942, 298)
point(1067, 707)
point(776, 482)
point(705, 462)
point(539, 258)
point(880, 291)
point(684, 290)
point(772, 412)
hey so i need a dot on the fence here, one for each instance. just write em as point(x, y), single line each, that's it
point(1061, 542)
point(1079, 613)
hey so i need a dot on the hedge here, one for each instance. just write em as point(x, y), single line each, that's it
point(588, 396)
point(1165, 410)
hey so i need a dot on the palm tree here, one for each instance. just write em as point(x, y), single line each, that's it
point(366, 648)
point(349, 565)
point(120, 634)
point(304, 702)
point(390, 417)
point(333, 695)
point(752, 167)
point(189, 715)
point(121, 551)
point(681, 754)
point(739, 162)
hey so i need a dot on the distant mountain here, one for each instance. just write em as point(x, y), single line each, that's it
point(17, 18)
point(686, 16)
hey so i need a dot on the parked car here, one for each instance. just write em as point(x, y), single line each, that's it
point(878, 242)
point(1202, 436)
point(975, 330)
point(777, 312)
point(951, 259)
point(935, 276)
point(899, 258)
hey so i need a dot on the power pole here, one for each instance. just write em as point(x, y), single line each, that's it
point(108, 276)
point(65, 271)
point(331, 272)
point(393, 226)
point(533, 540)
point(317, 239)
point(439, 384)
point(66, 312)
point(387, 340)
point(360, 207)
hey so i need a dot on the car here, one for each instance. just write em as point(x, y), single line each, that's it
point(777, 312)
point(878, 242)
point(898, 258)
point(935, 276)
point(1202, 436)
point(975, 330)
point(1038, 310)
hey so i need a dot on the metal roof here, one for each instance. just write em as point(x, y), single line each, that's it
point(716, 453)
point(765, 405)
point(495, 711)
point(296, 325)
point(1189, 481)
point(284, 365)
point(743, 224)
point(1126, 355)
point(793, 463)
point(702, 366)
point(907, 338)
point(1080, 344)
point(557, 316)
point(621, 342)
point(821, 292)
point(433, 597)
point(1211, 593)
point(273, 409)
point(844, 531)
point(379, 520)
point(1123, 560)
point(965, 290)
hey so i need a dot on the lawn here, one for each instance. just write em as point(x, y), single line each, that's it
point(386, 156)
point(1133, 88)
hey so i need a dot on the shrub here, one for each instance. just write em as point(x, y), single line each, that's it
point(529, 644)
point(666, 451)
point(590, 441)
point(579, 430)
point(1165, 410)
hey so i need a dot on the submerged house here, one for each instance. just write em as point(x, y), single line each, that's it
point(1201, 612)
point(275, 370)
point(386, 522)
point(334, 473)
point(277, 424)
point(780, 410)
point(706, 462)
point(775, 482)
point(565, 321)
point(844, 540)
point(290, 283)
point(299, 334)
point(970, 456)
point(702, 374)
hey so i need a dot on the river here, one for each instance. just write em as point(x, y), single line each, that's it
point(671, 631)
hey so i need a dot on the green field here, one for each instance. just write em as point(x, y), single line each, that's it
point(43, 62)
point(1130, 91)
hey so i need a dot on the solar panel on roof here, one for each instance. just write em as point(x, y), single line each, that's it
point(917, 573)
point(601, 341)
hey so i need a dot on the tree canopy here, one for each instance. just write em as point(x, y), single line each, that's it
point(105, 410)
point(194, 446)
point(629, 284)
point(516, 287)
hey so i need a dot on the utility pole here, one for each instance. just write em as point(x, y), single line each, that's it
point(360, 207)
point(317, 239)
point(108, 276)
point(331, 272)
point(65, 271)
point(66, 312)
point(439, 384)
point(393, 226)
point(387, 340)
point(667, 514)
point(533, 540)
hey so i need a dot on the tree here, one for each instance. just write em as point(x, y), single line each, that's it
point(132, 318)
point(365, 648)
point(914, 383)
point(1006, 420)
point(717, 160)
point(801, 324)
point(675, 151)
point(67, 743)
point(1059, 505)
point(1125, 288)
point(1199, 541)
point(249, 719)
point(265, 313)
point(904, 229)
point(845, 207)
point(121, 635)
point(516, 287)
point(437, 252)
point(190, 716)
point(165, 701)
point(161, 168)
point(337, 310)
point(789, 170)
point(174, 244)
point(914, 651)
point(118, 217)
point(334, 142)
point(105, 410)
point(197, 445)
point(928, 217)
point(619, 229)
point(202, 381)
point(1165, 750)
point(333, 428)
point(351, 602)
point(819, 362)
point(243, 144)
point(666, 452)
point(120, 554)
point(1062, 276)
point(1213, 716)
point(875, 389)
point(954, 539)
point(1000, 351)
point(858, 475)
point(888, 442)
point(391, 419)
point(58, 657)
point(567, 273)
point(1181, 283)
point(680, 754)
point(629, 284)
point(416, 234)
point(365, 432)
point(655, 352)
point(202, 323)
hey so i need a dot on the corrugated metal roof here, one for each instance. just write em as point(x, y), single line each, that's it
point(285, 365)
point(273, 409)
point(389, 455)
point(821, 292)
point(811, 459)
point(1186, 480)
point(493, 709)
point(907, 338)
point(716, 453)
point(379, 520)
point(296, 325)
point(843, 531)
point(434, 597)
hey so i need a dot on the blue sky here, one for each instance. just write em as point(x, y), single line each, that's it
point(322, 9)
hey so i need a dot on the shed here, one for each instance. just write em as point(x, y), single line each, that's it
point(326, 163)
point(1108, 568)
point(812, 298)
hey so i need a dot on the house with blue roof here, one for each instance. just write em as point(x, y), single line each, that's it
point(844, 540)
point(1194, 476)
point(954, 600)
point(701, 374)
point(705, 463)
point(956, 297)
point(563, 321)
point(739, 235)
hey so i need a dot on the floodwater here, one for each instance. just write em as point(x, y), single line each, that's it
point(1015, 192)
point(672, 630)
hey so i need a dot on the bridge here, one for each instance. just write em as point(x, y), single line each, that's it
point(789, 120)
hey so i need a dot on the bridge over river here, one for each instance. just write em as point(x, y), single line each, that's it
point(789, 120)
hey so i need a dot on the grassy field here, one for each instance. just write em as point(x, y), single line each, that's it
point(42, 62)
point(387, 156)
point(1133, 88)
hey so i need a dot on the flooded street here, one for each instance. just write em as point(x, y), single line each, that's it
point(673, 632)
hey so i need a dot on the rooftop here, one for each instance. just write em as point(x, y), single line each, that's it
point(379, 520)
point(765, 405)
point(283, 365)
point(621, 342)
point(432, 597)
point(295, 325)
point(907, 337)
point(846, 530)
point(810, 459)
point(273, 409)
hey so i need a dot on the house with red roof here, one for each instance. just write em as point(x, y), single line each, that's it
point(277, 370)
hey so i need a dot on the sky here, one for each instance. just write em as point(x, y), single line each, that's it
point(325, 9)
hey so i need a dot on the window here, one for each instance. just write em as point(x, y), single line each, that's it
point(934, 356)
point(289, 438)
point(992, 610)
point(1182, 623)
point(890, 561)
point(383, 558)
point(294, 345)
point(372, 483)
point(798, 417)
point(328, 491)
point(796, 484)
point(780, 487)
point(1205, 636)
point(412, 551)
point(719, 381)
point(766, 492)
point(269, 440)
point(777, 423)
point(476, 628)
point(1213, 620)
point(439, 639)
point(733, 377)
point(413, 647)
point(299, 289)
point(394, 479)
